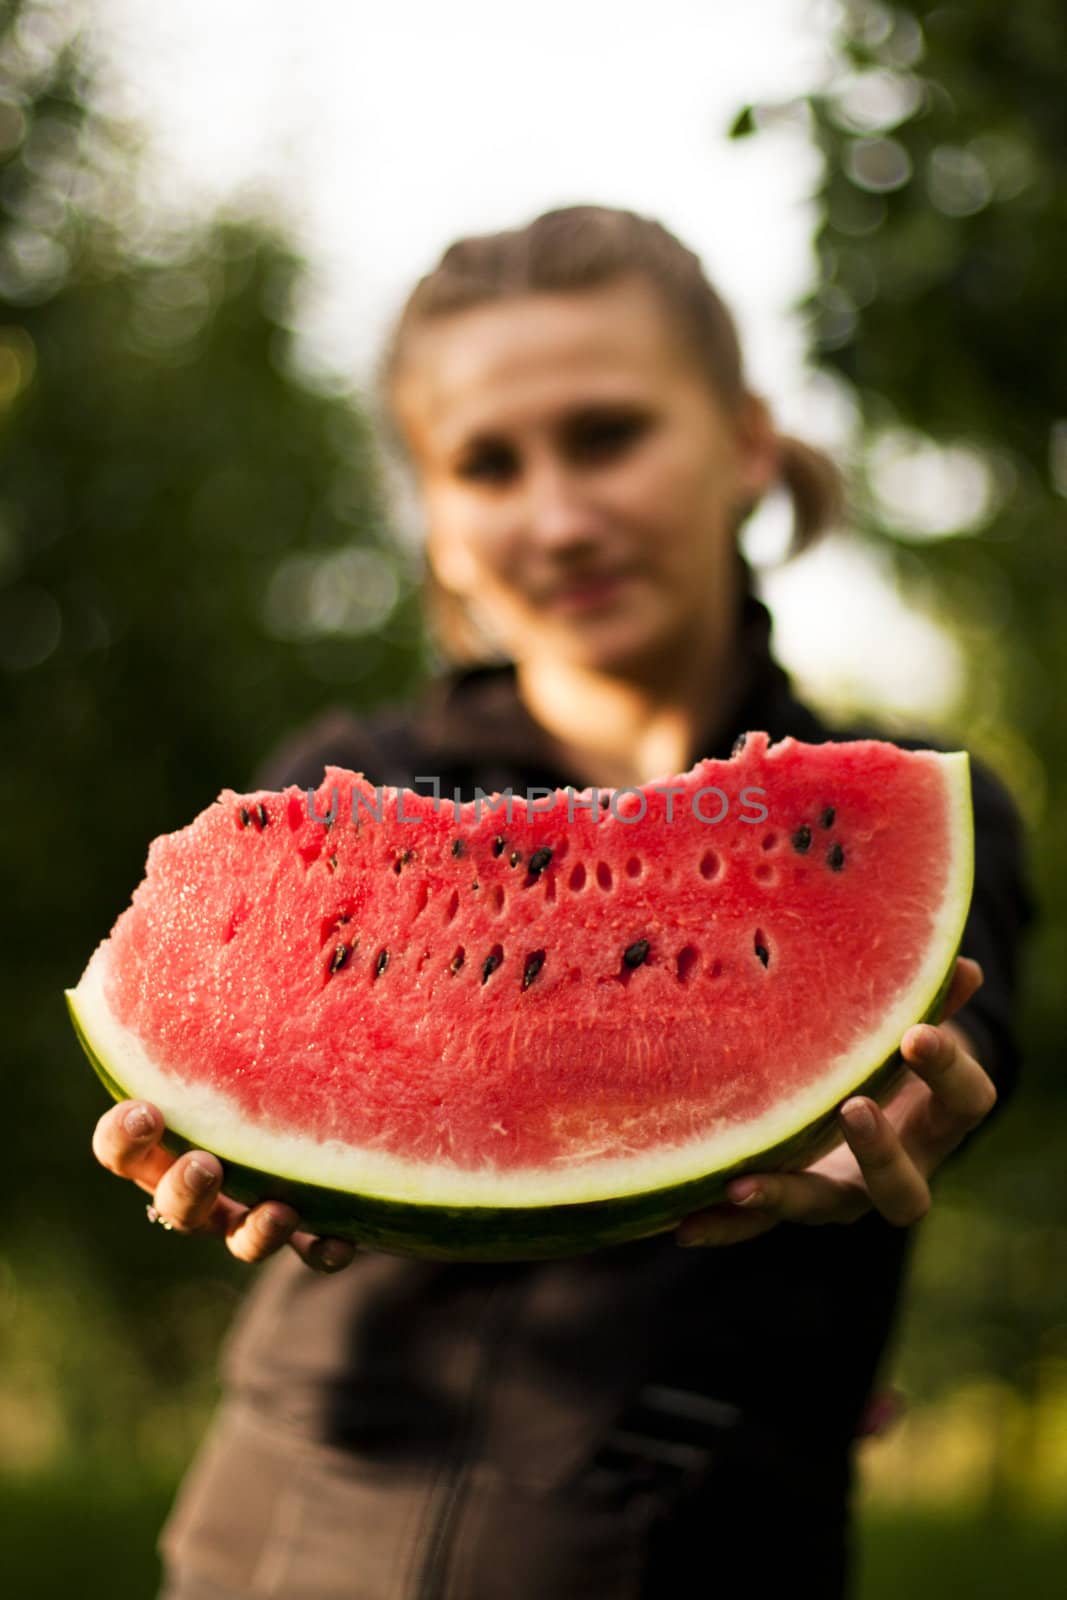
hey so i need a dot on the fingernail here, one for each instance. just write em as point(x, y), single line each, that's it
point(198, 1178)
point(926, 1042)
point(269, 1225)
point(692, 1239)
point(138, 1123)
point(331, 1257)
point(859, 1119)
point(745, 1194)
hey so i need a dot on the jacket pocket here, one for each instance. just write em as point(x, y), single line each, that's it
point(568, 1543)
point(578, 1520)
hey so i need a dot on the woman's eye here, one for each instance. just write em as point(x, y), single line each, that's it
point(606, 436)
point(488, 466)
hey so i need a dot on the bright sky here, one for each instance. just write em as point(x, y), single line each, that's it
point(383, 131)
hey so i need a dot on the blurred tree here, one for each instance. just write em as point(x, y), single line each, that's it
point(936, 303)
point(194, 556)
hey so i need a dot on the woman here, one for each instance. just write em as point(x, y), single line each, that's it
point(635, 1423)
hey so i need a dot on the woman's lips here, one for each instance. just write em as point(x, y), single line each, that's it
point(589, 594)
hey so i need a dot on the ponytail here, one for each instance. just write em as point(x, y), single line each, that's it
point(813, 481)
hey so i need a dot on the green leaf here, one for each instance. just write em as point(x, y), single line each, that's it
point(743, 124)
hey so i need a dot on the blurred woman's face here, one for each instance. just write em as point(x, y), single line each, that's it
point(580, 479)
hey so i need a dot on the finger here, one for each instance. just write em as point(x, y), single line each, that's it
point(962, 1092)
point(966, 979)
point(732, 1221)
point(721, 1225)
point(126, 1142)
point(809, 1197)
point(757, 1202)
point(896, 1186)
point(323, 1254)
point(187, 1193)
point(254, 1234)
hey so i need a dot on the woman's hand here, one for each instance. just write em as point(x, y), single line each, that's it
point(186, 1192)
point(940, 1101)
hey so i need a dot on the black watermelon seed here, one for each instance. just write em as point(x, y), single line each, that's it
point(516, 857)
point(763, 953)
point(261, 813)
point(457, 847)
point(635, 953)
point(605, 801)
point(802, 839)
point(835, 858)
point(492, 961)
point(827, 818)
point(498, 845)
point(539, 861)
point(534, 962)
point(739, 744)
point(245, 818)
point(340, 956)
point(402, 860)
point(331, 862)
point(381, 963)
point(457, 961)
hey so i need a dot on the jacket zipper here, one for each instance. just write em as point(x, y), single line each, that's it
point(433, 1578)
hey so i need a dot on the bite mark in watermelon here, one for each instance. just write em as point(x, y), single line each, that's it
point(448, 1034)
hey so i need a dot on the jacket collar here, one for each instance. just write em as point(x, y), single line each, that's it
point(472, 712)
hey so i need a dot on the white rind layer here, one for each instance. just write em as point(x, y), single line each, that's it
point(214, 1121)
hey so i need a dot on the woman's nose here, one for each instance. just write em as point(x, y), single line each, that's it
point(559, 510)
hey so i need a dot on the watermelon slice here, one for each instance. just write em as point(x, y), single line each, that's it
point(445, 1031)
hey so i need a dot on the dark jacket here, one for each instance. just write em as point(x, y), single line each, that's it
point(533, 1431)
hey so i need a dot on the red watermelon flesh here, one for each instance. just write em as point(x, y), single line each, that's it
point(530, 1035)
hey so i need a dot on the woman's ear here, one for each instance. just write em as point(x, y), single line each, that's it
point(759, 458)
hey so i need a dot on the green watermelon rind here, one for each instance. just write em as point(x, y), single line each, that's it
point(514, 1233)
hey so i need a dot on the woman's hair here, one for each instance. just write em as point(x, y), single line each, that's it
point(584, 247)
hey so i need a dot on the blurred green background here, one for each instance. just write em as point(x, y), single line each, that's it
point(196, 554)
